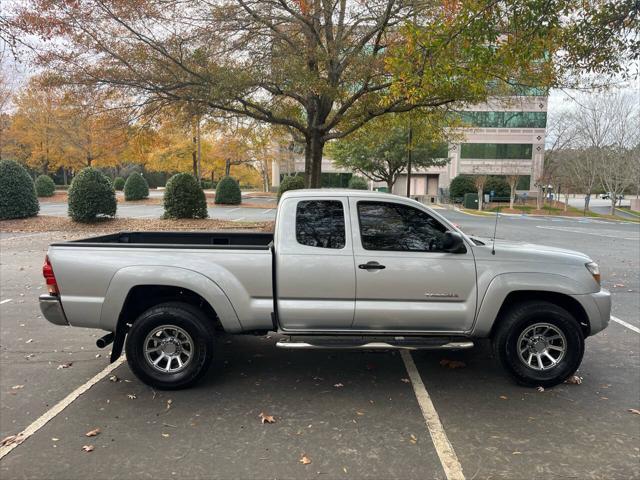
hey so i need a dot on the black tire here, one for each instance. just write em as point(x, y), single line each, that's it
point(186, 317)
point(516, 321)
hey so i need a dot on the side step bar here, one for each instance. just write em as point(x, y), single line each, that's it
point(362, 343)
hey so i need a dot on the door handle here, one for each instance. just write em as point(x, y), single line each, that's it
point(371, 266)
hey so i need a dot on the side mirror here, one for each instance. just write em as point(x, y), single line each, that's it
point(453, 243)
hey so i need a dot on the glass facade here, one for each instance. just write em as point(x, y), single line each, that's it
point(504, 119)
point(499, 151)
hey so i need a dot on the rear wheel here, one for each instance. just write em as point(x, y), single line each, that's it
point(170, 346)
point(539, 343)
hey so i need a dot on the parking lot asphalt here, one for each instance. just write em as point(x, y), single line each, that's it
point(353, 414)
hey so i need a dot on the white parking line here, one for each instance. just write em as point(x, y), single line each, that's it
point(60, 406)
point(267, 211)
point(446, 454)
point(625, 324)
point(584, 231)
point(6, 301)
point(238, 219)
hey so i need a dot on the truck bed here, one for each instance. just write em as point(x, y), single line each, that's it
point(230, 240)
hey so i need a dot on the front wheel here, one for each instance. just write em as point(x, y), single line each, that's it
point(170, 346)
point(539, 344)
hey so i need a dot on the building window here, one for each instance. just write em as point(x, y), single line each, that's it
point(320, 223)
point(395, 227)
point(504, 119)
point(499, 151)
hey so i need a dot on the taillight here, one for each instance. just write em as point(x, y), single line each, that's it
point(50, 278)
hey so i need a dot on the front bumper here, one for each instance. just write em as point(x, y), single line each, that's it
point(597, 306)
point(51, 308)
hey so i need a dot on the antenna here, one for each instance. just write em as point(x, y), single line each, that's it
point(495, 229)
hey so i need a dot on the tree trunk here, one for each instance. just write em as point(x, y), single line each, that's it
point(480, 199)
point(613, 203)
point(227, 167)
point(64, 176)
point(566, 200)
point(199, 161)
point(409, 144)
point(390, 183)
point(539, 198)
point(194, 149)
point(587, 199)
point(313, 161)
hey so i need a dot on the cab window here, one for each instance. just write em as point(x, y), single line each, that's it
point(320, 223)
point(396, 227)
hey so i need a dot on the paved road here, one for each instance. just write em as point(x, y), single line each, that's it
point(371, 427)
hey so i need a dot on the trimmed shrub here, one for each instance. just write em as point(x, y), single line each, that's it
point(136, 188)
point(228, 192)
point(118, 183)
point(358, 183)
point(498, 185)
point(91, 195)
point(290, 183)
point(17, 192)
point(45, 186)
point(461, 185)
point(183, 198)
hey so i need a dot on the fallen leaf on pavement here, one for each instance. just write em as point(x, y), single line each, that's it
point(516, 453)
point(165, 435)
point(266, 418)
point(452, 363)
point(503, 397)
point(131, 396)
point(413, 439)
point(305, 460)
point(618, 285)
point(169, 403)
point(11, 439)
point(634, 410)
point(540, 389)
point(17, 387)
point(360, 414)
point(64, 365)
point(93, 433)
point(338, 385)
point(405, 380)
point(574, 380)
point(88, 448)
point(113, 378)
point(29, 341)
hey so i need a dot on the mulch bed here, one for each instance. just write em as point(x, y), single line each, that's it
point(61, 197)
point(64, 224)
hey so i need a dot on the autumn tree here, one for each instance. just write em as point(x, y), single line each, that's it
point(93, 127)
point(382, 150)
point(34, 131)
point(323, 69)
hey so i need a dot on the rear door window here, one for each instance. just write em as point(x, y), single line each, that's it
point(320, 223)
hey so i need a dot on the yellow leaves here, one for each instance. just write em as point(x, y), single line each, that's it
point(304, 459)
point(452, 363)
point(264, 418)
point(93, 433)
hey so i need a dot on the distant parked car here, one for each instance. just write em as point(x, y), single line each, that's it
point(608, 195)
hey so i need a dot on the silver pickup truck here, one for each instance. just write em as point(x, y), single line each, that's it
point(343, 269)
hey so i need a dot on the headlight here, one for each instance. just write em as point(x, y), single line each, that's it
point(594, 270)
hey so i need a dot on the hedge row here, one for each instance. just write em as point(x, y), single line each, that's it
point(91, 195)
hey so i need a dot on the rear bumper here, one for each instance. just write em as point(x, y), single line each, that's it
point(51, 309)
point(598, 309)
